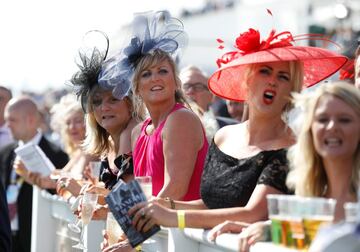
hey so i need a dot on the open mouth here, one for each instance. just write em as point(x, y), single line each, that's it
point(107, 117)
point(156, 88)
point(269, 96)
point(333, 142)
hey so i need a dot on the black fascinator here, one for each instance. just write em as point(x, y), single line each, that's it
point(90, 63)
point(150, 31)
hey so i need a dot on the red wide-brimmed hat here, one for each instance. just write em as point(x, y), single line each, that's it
point(228, 80)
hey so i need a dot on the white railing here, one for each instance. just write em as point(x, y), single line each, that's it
point(49, 220)
point(51, 215)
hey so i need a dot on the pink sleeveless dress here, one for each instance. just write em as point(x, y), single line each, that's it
point(149, 159)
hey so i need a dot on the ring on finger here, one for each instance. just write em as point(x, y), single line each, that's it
point(143, 214)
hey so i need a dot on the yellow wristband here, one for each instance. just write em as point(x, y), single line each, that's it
point(138, 248)
point(181, 219)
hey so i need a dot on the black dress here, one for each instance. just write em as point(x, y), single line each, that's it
point(124, 164)
point(229, 182)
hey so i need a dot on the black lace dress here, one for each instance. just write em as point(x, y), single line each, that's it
point(229, 182)
point(125, 166)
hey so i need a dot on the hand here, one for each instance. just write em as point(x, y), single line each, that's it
point(87, 173)
point(226, 227)
point(69, 184)
point(252, 234)
point(123, 246)
point(20, 167)
point(147, 214)
point(97, 189)
point(34, 178)
point(100, 212)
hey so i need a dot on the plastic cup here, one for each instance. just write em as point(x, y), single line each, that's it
point(113, 229)
point(145, 183)
point(351, 211)
point(318, 211)
point(95, 168)
point(273, 210)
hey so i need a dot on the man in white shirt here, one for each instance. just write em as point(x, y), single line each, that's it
point(5, 133)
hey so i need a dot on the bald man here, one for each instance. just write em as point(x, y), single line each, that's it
point(23, 118)
point(5, 134)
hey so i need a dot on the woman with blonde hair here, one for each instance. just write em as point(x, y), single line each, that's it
point(325, 161)
point(329, 141)
point(166, 148)
point(247, 161)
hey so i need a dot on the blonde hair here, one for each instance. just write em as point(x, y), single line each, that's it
point(67, 105)
point(307, 175)
point(97, 140)
point(150, 59)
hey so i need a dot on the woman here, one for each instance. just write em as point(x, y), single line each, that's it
point(247, 161)
point(329, 141)
point(109, 123)
point(68, 120)
point(167, 149)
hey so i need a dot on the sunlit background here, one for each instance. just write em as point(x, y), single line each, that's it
point(40, 38)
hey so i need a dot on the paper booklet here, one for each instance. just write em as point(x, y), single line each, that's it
point(34, 159)
point(120, 200)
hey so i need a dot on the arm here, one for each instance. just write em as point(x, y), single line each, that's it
point(255, 210)
point(135, 133)
point(180, 205)
point(180, 144)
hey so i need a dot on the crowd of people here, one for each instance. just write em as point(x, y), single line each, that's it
point(215, 146)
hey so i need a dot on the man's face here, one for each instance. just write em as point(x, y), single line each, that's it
point(4, 98)
point(16, 121)
point(195, 88)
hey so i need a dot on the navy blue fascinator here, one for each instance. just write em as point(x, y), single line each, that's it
point(150, 31)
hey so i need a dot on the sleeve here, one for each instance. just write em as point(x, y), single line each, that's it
point(275, 172)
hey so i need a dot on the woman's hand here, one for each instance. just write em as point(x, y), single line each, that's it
point(68, 184)
point(257, 231)
point(226, 227)
point(100, 212)
point(147, 214)
point(123, 246)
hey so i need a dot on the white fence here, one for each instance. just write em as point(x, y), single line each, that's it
point(51, 214)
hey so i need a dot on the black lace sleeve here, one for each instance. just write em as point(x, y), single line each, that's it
point(275, 172)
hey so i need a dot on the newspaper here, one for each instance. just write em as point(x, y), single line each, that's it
point(35, 159)
point(120, 200)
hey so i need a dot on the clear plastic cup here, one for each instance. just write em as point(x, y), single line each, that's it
point(145, 183)
point(318, 211)
point(351, 211)
point(95, 168)
point(273, 210)
point(113, 229)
